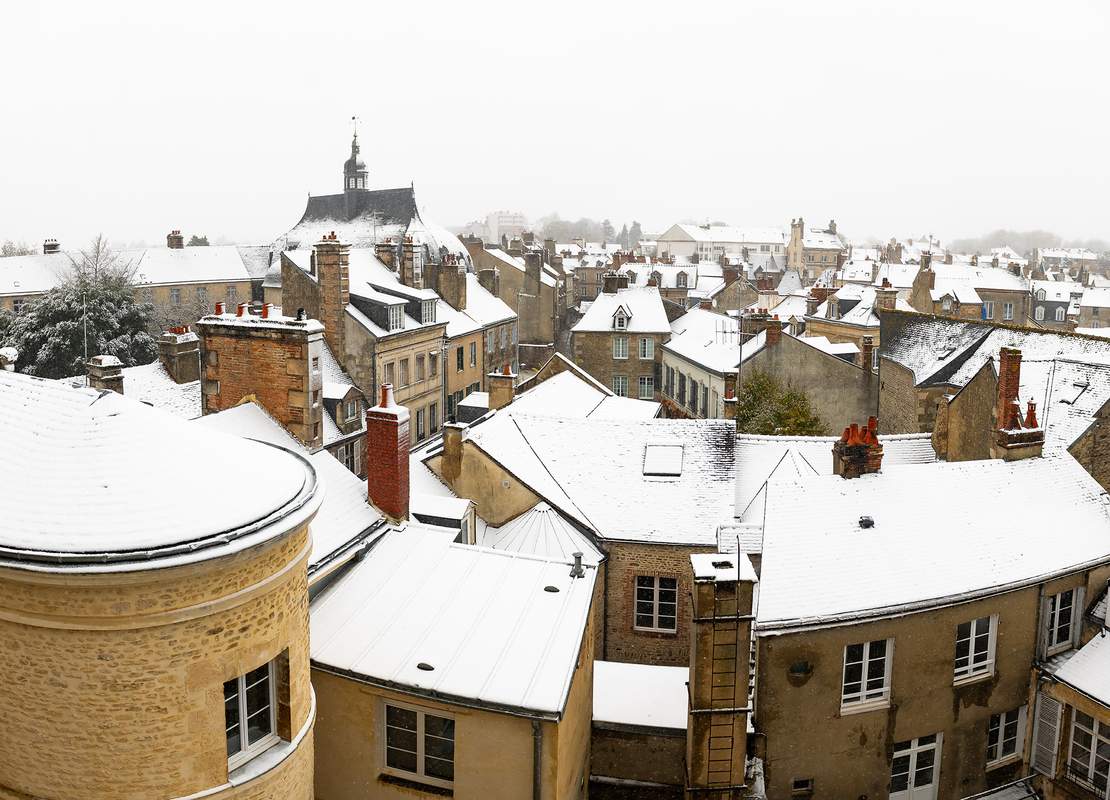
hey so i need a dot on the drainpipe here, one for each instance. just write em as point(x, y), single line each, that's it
point(537, 759)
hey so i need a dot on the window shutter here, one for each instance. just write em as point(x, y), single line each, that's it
point(1042, 629)
point(1077, 612)
point(1046, 734)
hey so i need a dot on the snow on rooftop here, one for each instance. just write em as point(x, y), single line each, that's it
point(484, 307)
point(708, 339)
point(642, 304)
point(568, 394)
point(151, 384)
point(165, 265)
point(621, 691)
point(483, 620)
point(540, 531)
point(95, 469)
point(1088, 670)
point(825, 568)
point(926, 346)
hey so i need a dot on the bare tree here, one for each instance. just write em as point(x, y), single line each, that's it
point(100, 261)
point(10, 248)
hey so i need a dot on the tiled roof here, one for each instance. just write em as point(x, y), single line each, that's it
point(642, 303)
point(1089, 669)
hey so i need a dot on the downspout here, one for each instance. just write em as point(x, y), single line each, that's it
point(537, 759)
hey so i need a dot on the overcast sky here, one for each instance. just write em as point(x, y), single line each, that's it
point(903, 118)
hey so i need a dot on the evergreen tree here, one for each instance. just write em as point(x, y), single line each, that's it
point(10, 248)
point(634, 234)
point(624, 237)
point(93, 306)
point(764, 406)
point(607, 232)
point(198, 241)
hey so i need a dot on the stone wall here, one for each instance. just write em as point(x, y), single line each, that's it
point(593, 351)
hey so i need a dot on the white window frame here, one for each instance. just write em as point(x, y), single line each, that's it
point(421, 774)
point(1059, 313)
point(396, 317)
point(866, 699)
point(646, 387)
point(428, 311)
point(1099, 733)
point(620, 321)
point(620, 347)
point(1054, 621)
point(647, 348)
point(996, 737)
point(913, 750)
point(988, 309)
point(352, 409)
point(656, 589)
point(248, 751)
point(620, 385)
point(970, 671)
point(1038, 313)
point(1007, 311)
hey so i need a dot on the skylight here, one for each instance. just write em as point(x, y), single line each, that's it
point(664, 460)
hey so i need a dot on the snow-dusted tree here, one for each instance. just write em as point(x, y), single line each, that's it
point(92, 310)
point(198, 241)
point(623, 238)
point(764, 406)
point(607, 232)
point(10, 248)
point(635, 234)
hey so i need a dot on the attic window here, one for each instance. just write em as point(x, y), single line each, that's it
point(396, 317)
point(664, 460)
point(428, 311)
point(1082, 387)
point(620, 320)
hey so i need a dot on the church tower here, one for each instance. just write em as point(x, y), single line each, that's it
point(355, 175)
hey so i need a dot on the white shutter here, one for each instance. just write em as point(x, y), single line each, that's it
point(1046, 734)
point(1078, 609)
point(1042, 629)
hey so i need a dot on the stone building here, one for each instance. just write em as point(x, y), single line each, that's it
point(1056, 304)
point(617, 340)
point(710, 242)
point(134, 613)
point(971, 291)
point(815, 251)
point(851, 314)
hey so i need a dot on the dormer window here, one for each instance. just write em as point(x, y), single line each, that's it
point(352, 409)
point(620, 320)
point(1040, 294)
point(655, 276)
point(396, 317)
point(946, 303)
point(631, 277)
point(427, 311)
point(680, 280)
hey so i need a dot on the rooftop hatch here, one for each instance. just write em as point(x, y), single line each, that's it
point(663, 460)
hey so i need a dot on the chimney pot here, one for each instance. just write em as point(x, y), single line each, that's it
point(301, 316)
point(266, 309)
point(219, 308)
point(387, 456)
point(242, 312)
point(577, 570)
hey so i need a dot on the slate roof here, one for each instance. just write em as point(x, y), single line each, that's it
point(540, 531)
point(643, 303)
point(1088, 670)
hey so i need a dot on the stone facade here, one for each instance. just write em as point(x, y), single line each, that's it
point(99, 666)
point(593, 351)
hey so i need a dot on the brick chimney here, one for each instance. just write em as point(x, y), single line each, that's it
point(387, 456)
point(609, 282)
point(866, 353)
point(502, 388)
point(490, 280)
point(387, 253)
point(1016, 436)
point(274, 361)
point(451, 282)
point(533, 269)
point(50, 247)
point(332, 270)
point(451, 466)
point(179, 352)
point(706, 304)
point(886, 296)
point(412, 264)
point(858, 451)
point(774, 330)
point(175, 241)
point(105, 372)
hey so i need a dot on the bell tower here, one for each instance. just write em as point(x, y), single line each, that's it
point(355, 174)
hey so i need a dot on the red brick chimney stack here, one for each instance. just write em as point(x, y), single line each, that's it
point(333, 273)
point(1009, 381)
point(858, 451)
point(175, 241)
point(774, 330)
point(867, 353)
point(387, 456)
point(1015, 436)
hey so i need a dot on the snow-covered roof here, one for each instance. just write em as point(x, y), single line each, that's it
point(604, 487)
point(484, 307)
point(1058, 291)
point(1103, 332)
point(33, 274)
point(620, 691)
point(566, 394)
point(1088, 670)
point(863, 313)
point(825, 568)
point(790, 307)
point(723, 234)
point(900, 276)
point(644, 307)
point(460, 623)
point(832, 348)
point(152, 384)
point(929, 347)
point(1095, 298)
point(547, 274)
point(540, 531)
point(977, 277)
point(345, 513)
point(709, 339)
point(94, 468)
point(1070, 253)
point(821, 240)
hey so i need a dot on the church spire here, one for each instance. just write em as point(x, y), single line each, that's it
point(355, 174)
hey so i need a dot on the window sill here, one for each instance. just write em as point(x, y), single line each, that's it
point(656, 631)
point(1003, 762)
point(964, 680)
point(861, 708)
point(417, 785)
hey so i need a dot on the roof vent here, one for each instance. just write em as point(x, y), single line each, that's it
point(866, 522)
point(550, 588)
point(577, 571)
point(722, 565)
point(425, 666)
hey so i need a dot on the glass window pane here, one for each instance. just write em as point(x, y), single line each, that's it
point(400, 759)
point(439, 726)
point(668, 583)
point(259, 726)
point(644, 621)
point(439, 768)
point(400, 718)
point(853, 652)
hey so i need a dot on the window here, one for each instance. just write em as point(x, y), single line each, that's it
point(433, 364)
point(1059, 313)
point(801, 787)
point(232, 293)
point(620, 321)
point(202, 295)
point(396, 318)
point(620, 347)
point(433, 417)
point(680, 280)
point(350, 456)
point(419, 744)
point(350, 183)
point(704, 398)
point(946, 303)
point(389, 372)
point(175, 295)
point(1007, 311)
point(459, 359)
point(715, 409)
point(647, 387)
point(975, 648)
point(1005, 733)
point(866, 682)
point(504, 336)
point(656, 603)
point(620, 385)
point(670, 382)
point(316, 363)
point(314, 397)
point(914, 769)
point(693, 395)
point(473, 354)
point(404, 371)
point(249, 714)
point(1060, 613)
point(427, 311)
point(19, 304)
point(419, 368)
point(1089, 759)
point(875, 359)
point(631, 277)
point(489, 341)
point(647, 348)
point(1038, 313)
point(1040, 294)
point(352, 409)
point(988, 309)
point(420, 425)
point(681, 389)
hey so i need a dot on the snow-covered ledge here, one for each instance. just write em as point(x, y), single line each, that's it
point(263, 762)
